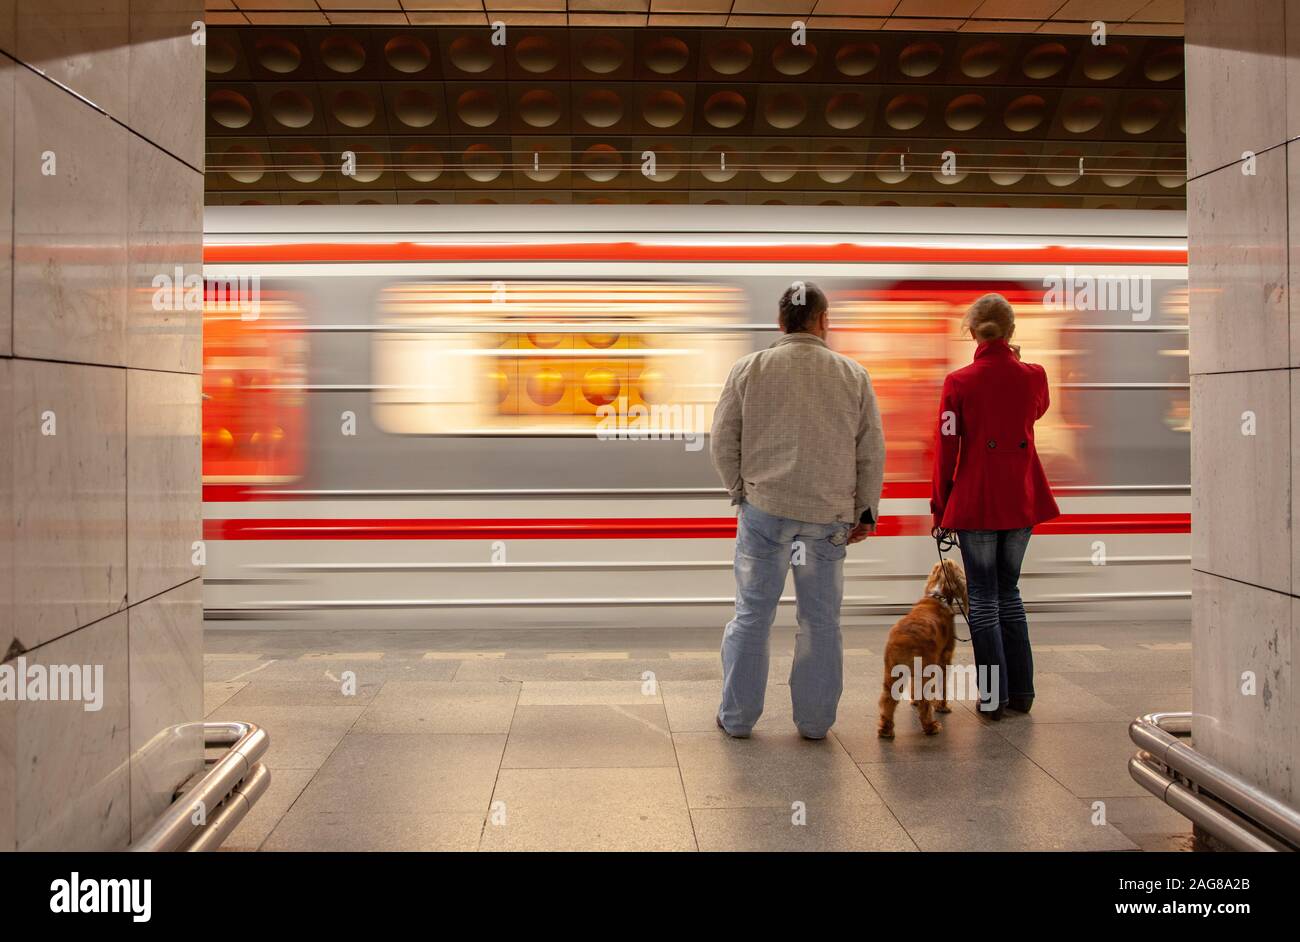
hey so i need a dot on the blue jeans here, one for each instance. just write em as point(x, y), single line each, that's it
point(999, 630)
point(766, 547)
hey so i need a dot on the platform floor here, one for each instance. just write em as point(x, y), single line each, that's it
point(549, 740)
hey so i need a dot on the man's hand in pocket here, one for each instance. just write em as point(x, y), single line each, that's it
point(861, 532)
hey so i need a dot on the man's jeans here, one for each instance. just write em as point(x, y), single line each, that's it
point(999, 631)
point(766, 547)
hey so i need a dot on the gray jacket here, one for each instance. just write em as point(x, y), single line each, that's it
point(797, 433)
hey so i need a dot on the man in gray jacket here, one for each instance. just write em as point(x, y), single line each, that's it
point(797, 442)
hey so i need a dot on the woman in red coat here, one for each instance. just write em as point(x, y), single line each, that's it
point(990, 488)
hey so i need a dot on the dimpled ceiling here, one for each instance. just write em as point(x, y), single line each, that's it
point(732, 116)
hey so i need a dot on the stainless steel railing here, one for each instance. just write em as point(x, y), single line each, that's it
point(203, 816)
point(1222, 803)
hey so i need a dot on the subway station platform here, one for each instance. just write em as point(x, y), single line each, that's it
point(545, 740)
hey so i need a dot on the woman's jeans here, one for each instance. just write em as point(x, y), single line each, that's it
point(999, 631)
point(766, 548)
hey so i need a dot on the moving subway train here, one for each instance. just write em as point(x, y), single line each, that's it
point(489, 415)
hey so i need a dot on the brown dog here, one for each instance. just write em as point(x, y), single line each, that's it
point(924, 637)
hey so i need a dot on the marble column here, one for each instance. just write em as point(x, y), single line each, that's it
point(101, 191)
point(1243, 89)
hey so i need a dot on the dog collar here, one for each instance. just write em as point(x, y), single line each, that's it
point(951, 603)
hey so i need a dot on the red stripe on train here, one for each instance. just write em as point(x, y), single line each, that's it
point(252, 253)
point(240, 493)
point(634, 528)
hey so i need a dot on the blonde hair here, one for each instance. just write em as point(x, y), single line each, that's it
point(990, 317)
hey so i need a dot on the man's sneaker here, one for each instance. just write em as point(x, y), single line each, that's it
point(718, 720)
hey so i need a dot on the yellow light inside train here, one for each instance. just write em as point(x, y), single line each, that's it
point(546, 386)
point(601, 341)
point(601, 386)
point(652, 385)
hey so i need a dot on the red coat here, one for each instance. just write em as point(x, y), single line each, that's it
point(987, 475)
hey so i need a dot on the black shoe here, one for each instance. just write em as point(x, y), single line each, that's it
point(1020, 704)
point(991, 715)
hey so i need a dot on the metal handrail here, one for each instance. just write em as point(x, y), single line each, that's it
point(225, 793)
point(1222, 802)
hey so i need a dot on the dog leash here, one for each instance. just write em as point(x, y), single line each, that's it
point(946, 540)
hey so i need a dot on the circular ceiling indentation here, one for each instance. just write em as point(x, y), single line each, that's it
point(777, 164)
point(291, 108)
point(1141, 115)
point(539, 107)
point(919, 59)
point(415, 108)
point(791, 60)
point(836, 164)
point(278, 55)
point(537, 54)
point(955, 161)
point(983, 60)
point(601, 163)
point(470, 54)
point(601, 108)
point(966, 112)
point(221, 56)
point(785, 110)
point(668, 164)
point(229, 108)
point(602, 55)
point(353, 108)
point(1102, 63)
point(1008, 163)
point(1125, 160)
point(731, 56)
point(245, 165)
point(544, 164)
point(893, 168)
point(1045, 60)
point(1165, 63)
point(855, 59)
point(1025, 113)
point(1083, 114)
point(666, 55)
point(846, 110)
point(370, 163)
point(482, 163)
point(717, 170)
point(1065, 168)
point(725, 109)
point(305, 163)
point(342, 54)
point(663, 108)
point(407, 54)
point(905, 112)
point(478, 107)
point(421, 163)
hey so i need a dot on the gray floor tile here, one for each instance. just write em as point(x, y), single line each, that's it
point(1134, 693)
point(1090, 759)
point(978, 804)
point(215, 693)
point(368, 671)
point(541, 669)
point(768, 770)
point(590, 809)
point(589, 692)
point(1147, 821)
point(440, 706)
point(1057, 700)
point(220, 670)
point(286, 786)
point(603, 736)
point(404, 773)
point(302, 737)
point(368, 831)
point(962, 736)
point(323, 692)
point(692, 706)
point(827, 828)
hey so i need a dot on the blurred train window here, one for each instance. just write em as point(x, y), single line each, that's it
point(254, 369)
point(908, 337)
point(610, 358)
